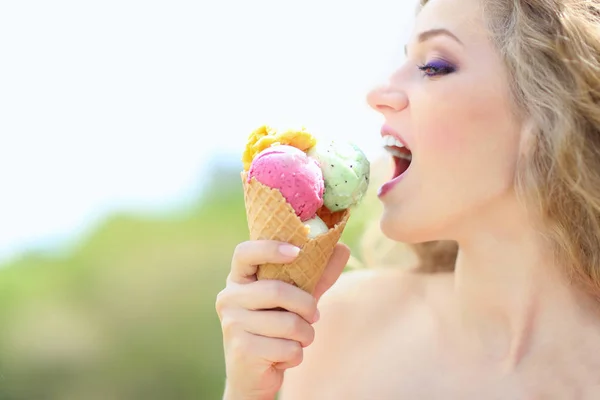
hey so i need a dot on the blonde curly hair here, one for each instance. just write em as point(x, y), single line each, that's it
point(551, 51)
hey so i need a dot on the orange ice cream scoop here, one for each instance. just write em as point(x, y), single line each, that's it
point(265, 136)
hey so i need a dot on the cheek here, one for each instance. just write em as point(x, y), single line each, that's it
point(443, 135)
point(463, 133)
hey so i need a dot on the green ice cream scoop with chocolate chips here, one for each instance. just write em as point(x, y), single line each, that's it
point(346, 173)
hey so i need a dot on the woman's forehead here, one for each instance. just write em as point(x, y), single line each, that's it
point(463, 18)
point(459, 16)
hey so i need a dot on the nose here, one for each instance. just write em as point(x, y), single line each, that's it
point(386, 98)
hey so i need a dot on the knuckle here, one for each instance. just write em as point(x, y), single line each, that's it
point(294, 351)
point(221, 301)
point(229, 325)
point(296, 361)
point(238, 347)
point(307, 307)
point(309, 336)
point(311, 306)
point(293, 325)
point(275, 289)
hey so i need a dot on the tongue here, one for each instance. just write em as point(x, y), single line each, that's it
point(401, 166)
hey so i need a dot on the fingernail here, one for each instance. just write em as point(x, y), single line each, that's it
point(289, 250)
point(317, 316)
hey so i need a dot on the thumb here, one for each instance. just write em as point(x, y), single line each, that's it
point(335, 267)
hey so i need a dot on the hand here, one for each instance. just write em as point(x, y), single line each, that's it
point(259, 342)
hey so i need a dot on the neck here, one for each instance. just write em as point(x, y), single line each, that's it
point(508, 287)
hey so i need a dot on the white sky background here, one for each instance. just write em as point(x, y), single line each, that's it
point(115, 104)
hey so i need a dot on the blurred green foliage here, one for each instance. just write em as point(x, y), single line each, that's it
point(128, 313)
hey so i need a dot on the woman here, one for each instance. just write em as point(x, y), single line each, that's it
point(498, 102)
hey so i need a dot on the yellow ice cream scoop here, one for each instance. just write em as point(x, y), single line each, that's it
point(265, 136)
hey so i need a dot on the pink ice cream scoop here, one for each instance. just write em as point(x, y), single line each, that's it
point(297, 176)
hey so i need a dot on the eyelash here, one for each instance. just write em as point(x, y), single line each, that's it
point(440, 69)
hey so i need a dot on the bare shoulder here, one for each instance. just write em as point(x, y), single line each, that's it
point(361, 304)
point(359, 291)
point(371, 295)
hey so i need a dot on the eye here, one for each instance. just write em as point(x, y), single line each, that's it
point(436, 68)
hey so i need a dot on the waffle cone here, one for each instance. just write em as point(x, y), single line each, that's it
point(271, 217)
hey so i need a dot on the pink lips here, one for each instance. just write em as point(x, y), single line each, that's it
point(386, 187)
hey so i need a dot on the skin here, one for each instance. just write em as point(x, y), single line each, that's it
point(504, 325)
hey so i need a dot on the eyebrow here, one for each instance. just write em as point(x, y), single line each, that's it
point(426, 35)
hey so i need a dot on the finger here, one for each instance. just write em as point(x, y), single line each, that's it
point(270, 293)
point(277, 324)
point(335, 267)
point(248, 255)
point(289, 364)
point(269, 350)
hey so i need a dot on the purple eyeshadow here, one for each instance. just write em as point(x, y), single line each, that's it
point(437, 67)
point(441, 65)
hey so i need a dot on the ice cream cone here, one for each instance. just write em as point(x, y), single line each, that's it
point(270, 217)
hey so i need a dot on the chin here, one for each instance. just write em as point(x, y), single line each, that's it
point(404, 230)
point(398, 226)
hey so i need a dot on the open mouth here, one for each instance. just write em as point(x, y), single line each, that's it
point(401, 154)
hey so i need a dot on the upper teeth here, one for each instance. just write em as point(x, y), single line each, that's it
point(391, 141)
